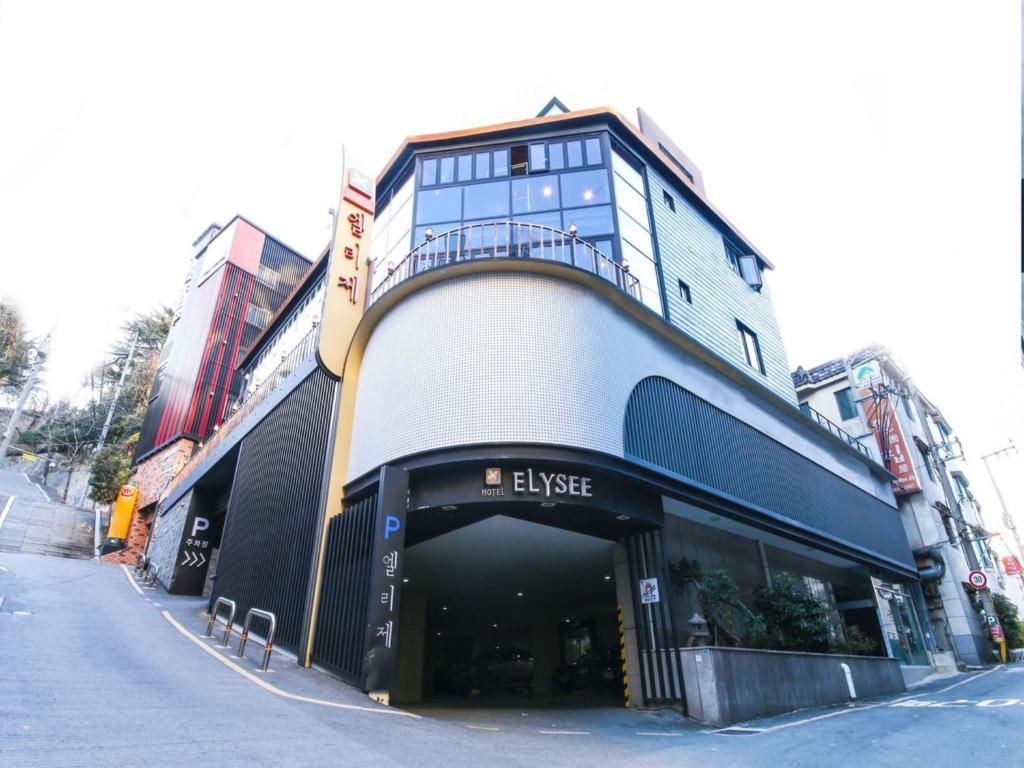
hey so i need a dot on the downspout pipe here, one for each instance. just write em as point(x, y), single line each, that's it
point(932, 572)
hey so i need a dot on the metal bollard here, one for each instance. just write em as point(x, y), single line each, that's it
point(269, 646)
point(231, 619)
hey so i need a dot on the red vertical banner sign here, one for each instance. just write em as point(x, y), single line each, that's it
point(886, 426)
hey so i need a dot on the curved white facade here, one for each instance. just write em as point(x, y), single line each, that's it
point(517, 357)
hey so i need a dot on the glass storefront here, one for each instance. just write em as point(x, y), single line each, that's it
point(899, 621)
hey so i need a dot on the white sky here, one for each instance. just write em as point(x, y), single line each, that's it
point(870, 150)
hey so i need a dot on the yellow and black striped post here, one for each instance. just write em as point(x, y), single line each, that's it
point(622, 654)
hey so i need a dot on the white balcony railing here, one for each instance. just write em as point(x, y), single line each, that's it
point(506, 240)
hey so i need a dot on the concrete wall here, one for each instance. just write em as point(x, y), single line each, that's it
point(734, 685)
point(692, 250)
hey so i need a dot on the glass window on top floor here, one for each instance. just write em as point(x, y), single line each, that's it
point(392, 227)
point(636, 243)
point(557, 183)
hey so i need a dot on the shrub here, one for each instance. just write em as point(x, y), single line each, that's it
point(794, 619)
point(857, 644)
point(718, 596)
point(1013, 629)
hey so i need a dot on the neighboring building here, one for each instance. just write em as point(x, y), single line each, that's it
point(239, 277)
point(567, 376)
point(869, 395)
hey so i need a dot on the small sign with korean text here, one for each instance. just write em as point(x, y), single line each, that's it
point(649, 591)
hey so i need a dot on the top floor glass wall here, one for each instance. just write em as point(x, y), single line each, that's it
point(566, 183)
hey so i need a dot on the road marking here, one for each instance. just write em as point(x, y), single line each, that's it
point(973, 677)
point(566, 733)
point(4, 570)
point(274, 689)
point(41, 491)
point(131, 581)
point(2, 598)
point(895, 702)
point(7, 508)
point(483, 728)
point(959, 703)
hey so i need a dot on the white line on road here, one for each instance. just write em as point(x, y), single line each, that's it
point(876, 706)
point(483, 728)
point(969, 679)
point(274, 689)
point(7, 508)
point(566, 733)
point(2, 598)
point(131, 581)
point(39, 488)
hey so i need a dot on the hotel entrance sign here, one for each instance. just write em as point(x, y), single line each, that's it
point(347, 271)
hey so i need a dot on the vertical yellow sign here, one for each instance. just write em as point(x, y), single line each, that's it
point(347, 289)
point(347, 272)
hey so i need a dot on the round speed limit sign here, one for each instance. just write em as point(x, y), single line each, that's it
point(977, 579)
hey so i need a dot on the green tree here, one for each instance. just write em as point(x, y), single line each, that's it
point(111, 467)
point(15, 348)
point(1013, 628)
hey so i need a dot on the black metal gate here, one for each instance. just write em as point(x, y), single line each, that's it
point(661, 666)
point(340, 637)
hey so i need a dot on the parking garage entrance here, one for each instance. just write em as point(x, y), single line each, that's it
point(504, 609)
point(482, 581)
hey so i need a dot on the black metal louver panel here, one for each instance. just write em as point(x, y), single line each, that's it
point(269, 542)
point(658, 637)
point(341, 622)
point(670, 427)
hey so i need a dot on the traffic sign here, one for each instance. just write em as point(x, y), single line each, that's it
point(977, 579)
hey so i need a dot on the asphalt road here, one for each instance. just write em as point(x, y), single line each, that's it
point(16, 484)
point(31, 522)
point(95, 671)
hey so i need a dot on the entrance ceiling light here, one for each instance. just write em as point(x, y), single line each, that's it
point(607, 578)
point(623, 517)
point(548, 504)
point(519, 594)
point(444, 607)
point(449, 507)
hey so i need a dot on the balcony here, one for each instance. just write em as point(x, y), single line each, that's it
point(507, 240)
point(836, 430)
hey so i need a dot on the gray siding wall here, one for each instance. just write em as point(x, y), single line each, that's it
point(513, 357)
point(691, 249)
point(166, 538)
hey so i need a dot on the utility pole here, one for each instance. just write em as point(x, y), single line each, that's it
point(106, 429)
point(26, 392)
point(117, 393)
point(1007, 519)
